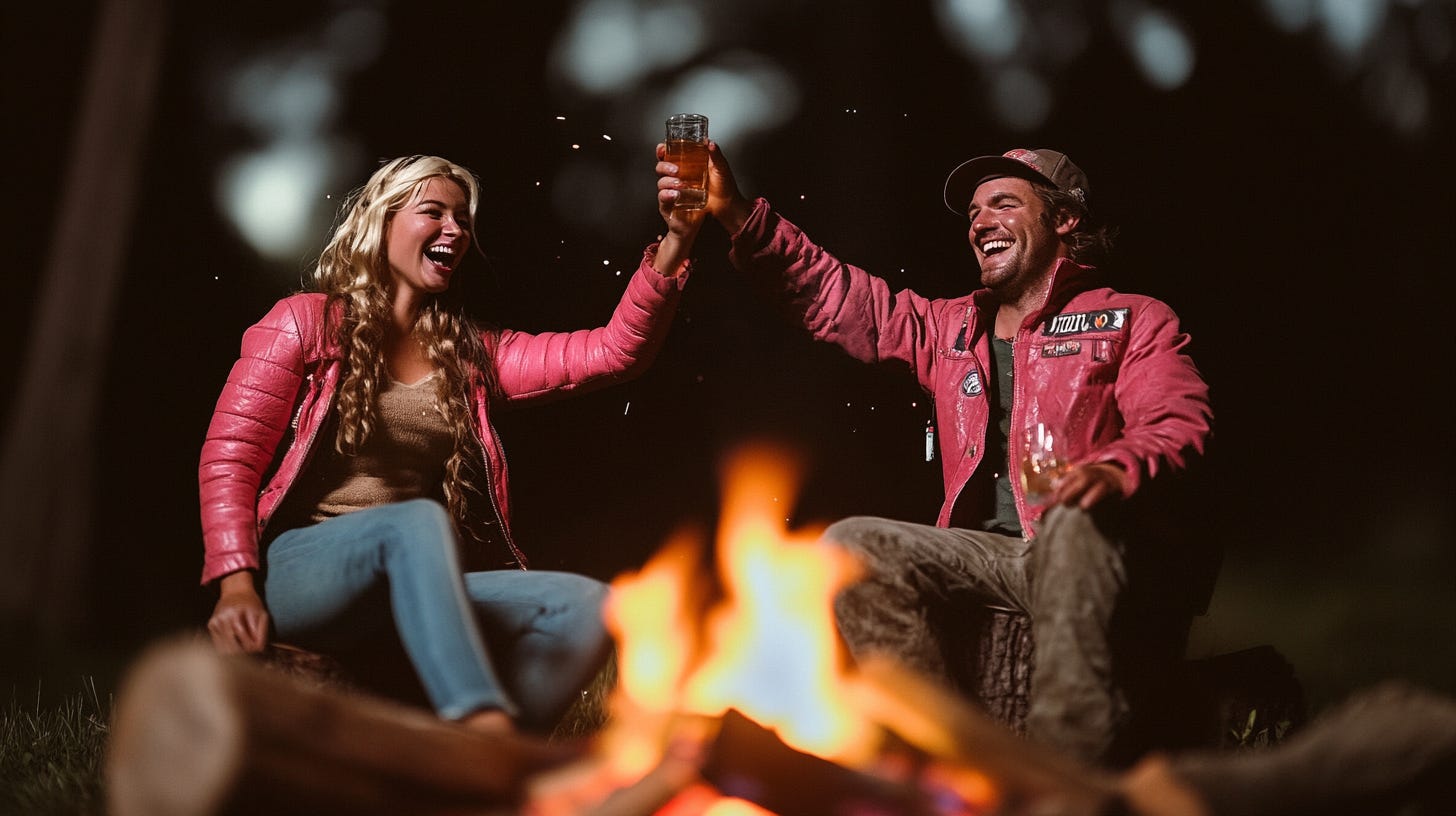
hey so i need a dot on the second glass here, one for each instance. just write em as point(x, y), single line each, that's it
point(1042, 463)
point(687, 147)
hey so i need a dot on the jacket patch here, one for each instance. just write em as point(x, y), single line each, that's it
point(1064, 348)
point(971, 385)
point(1102, 320)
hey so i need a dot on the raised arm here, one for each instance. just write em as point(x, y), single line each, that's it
point(537, 366)
point(837, 302)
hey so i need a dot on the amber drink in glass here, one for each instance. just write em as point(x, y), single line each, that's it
point(687, 147)
point(1041, 463)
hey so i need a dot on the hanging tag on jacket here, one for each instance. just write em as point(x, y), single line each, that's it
point(930, 440)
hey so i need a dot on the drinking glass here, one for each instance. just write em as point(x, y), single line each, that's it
point(1043, 460)
point(687, 147)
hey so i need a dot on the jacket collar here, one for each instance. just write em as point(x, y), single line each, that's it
point(1068, 279)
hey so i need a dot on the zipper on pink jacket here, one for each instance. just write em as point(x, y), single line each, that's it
point(490, 494)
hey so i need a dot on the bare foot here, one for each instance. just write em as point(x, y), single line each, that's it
point(489, 721)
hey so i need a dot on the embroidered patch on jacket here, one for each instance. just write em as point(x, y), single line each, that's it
point(971, 385)
point(1102, 320)
point(1065, 348)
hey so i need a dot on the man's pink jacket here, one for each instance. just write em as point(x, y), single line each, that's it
point(1109, 370)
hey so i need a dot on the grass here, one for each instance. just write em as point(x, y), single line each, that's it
point(1257, 732)
point(589, 713)
point(51, 754)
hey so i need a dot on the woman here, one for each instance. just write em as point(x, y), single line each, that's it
point(353, 442)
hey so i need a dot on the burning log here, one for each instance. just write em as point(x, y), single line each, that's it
point(955, 733)
point(946, 758)
point(728, 756)
point(750, 762)
point(592, 787)
point(196, 733)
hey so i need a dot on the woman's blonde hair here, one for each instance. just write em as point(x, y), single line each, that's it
point(353, 270)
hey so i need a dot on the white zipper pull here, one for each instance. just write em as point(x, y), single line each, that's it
point(930, 440)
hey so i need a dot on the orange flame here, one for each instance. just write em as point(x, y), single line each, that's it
point(768, 647)
point(775, 653)
point(651, 614)
point(762, 641)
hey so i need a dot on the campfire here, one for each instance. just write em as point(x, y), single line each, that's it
point(734, 696)
point(761, 640)
point(735, 693)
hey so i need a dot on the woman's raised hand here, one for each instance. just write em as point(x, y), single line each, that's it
point(726, 203)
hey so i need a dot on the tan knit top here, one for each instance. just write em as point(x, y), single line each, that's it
point(403, 459)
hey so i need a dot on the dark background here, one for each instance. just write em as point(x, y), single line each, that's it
point(1300, 233)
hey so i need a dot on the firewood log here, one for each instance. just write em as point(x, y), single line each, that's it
point(196, 733)
point(1028, 776)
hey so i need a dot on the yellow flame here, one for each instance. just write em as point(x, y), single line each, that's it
point(769, 647)
point(648, 613)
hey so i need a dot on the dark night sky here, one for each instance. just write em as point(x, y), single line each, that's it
point(1302, 241)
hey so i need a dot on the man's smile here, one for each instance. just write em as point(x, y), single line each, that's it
point(992, 247)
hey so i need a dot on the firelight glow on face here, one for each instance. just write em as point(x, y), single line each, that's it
point(428, 237)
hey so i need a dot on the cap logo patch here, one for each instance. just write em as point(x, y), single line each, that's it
point(971, 385)
point(1026, 157)
point(1102, 320)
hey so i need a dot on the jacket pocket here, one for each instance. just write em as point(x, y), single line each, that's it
point(1080, 360)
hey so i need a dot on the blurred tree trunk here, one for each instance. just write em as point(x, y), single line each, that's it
point(48, 463)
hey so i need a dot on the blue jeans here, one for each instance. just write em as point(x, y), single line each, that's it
point(523, 642)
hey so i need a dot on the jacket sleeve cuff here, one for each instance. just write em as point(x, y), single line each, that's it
point(755, 233)
point(219, 566)
point(1132, 469)
point(661, 281)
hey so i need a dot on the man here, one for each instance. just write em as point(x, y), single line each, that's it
point(1039, 344)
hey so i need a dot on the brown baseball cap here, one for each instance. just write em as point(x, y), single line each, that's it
point(1040, 165)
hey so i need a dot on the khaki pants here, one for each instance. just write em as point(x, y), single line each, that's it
point(1067, 580)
